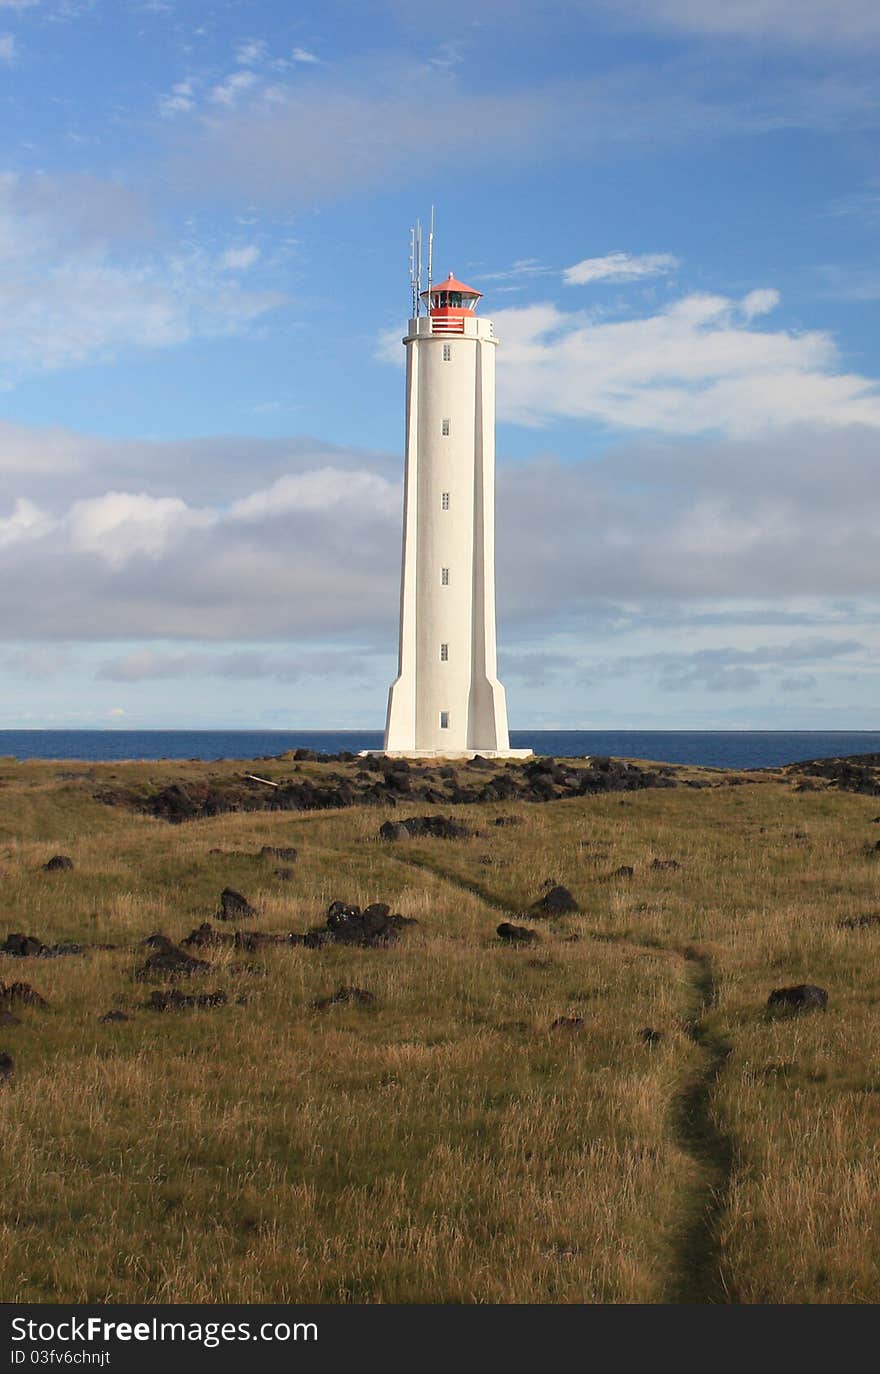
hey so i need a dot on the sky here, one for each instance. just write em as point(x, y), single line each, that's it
point(672, 208)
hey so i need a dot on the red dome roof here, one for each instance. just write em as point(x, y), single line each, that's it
point(452, 283)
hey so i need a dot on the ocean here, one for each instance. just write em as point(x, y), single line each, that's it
point(710, 748)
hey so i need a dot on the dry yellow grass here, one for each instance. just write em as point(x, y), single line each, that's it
point(447, 1145)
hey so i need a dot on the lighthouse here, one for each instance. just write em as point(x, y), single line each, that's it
point(447, 700)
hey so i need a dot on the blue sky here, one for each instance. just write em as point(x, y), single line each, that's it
point(673, 211)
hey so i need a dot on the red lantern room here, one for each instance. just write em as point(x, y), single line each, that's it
point(450, 302)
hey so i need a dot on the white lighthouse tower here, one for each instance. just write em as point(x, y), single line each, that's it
point(447, 700)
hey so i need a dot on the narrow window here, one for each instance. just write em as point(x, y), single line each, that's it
point(444, 427)
point(444, 577)
point(444, 720)
point(444, 653)
point(444, 500)
point(447, 353)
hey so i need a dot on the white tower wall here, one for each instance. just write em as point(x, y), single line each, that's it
point(447, 699)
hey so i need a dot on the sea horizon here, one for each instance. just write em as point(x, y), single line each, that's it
point(707, 748)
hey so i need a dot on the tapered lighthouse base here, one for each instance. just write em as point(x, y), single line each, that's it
point(445, 753)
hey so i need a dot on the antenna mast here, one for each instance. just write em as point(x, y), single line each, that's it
point(430, 256)
point(412, 272)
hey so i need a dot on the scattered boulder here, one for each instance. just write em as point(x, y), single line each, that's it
point(650, 1036)
point(625, 871)
point(22, 993)
point(158, 941)
point(803, 997)
point(204, 935)
point(274, 851)
point(7, 1018)
point(29, 946)
point(558, 901)
point(22, 946)
point(517, 935)
point(235, 907)
point(357, 997)
point(110, 1017)
point(59, 863)
point(284, 874)
point(252, 940)
point(568, 1023)
point(7, 1065)
point(508, 820)
point(665, 865)
point(174, 1000)
point(435, 827)
point(374, 927)
point(171, 963)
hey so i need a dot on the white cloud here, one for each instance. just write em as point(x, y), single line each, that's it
point(228, 91)
point(252, 52)
point(239, 259)
point(27, 521)
point(180, 99)
point(7, 48)
point(326, 489)
point(827, 22)
point(80, 280)
point(619, 267)
point(303, 55)
point(697, 366)
point(122, 525)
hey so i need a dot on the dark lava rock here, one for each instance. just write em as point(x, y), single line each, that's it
point(23, 993)
point(393, 830)
point(437, 827)
point(650, 1036)
point(857, 773)
point(204, 935)
point(22, 946)
point(171, 963)
point(517, 935)
point(569, 1023)
point(861, 922)
point(625, 871)
point(480, 761)
point(357, 997)
point(59, 863)
point(373, 927)
point(175, 804)
point(508, 820)
point(7, 1018)
point(110, 1017)
point(665, 865)
point(275, 851)
point(803, 997)
point(29, 946)
point(173, 1000)
point(253, 940)
point(7, 1065)
point(159, 941)
point(284, 874)
point(557, 902)
point(235, 907)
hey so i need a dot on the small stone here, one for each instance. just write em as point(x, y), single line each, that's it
point(802, 997)
point(557, 902)
point(110, 1017)
point(234, 906)
point(7, 1065)
point(517, 934)
point(58, 863)
point(650, 1036)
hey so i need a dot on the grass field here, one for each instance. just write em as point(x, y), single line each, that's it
point(446, 1144)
